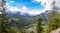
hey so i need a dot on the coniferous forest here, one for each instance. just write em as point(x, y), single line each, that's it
point(46, 22)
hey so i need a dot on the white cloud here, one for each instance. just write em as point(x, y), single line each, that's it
point(24, 8)
point(34, 12)
point(0, 12)
point(37, 0)
point(48, 3)
point(58, 3)
point(12, 9)
point(31, 12)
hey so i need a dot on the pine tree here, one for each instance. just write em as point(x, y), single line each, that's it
point(39, 27)
point(4, 23)
point(54, 20)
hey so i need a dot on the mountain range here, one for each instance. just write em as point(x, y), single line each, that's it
point(27, 15)
point(21, 14)
point(19, 19)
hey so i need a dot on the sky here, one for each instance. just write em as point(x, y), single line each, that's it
point(33, 7)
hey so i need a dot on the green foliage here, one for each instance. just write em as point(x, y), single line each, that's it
point(14, 30)
point(39, 28)
point(53, 24)
point(0, 26)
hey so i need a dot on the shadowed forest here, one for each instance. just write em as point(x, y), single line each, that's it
point(47, 22)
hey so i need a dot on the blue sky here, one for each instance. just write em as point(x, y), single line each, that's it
point(32, 7)
point(28, 3)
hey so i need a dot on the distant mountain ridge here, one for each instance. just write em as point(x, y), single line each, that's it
point(18, 14)
point(27, 15)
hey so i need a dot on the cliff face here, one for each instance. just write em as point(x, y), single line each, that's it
point(56, 31)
